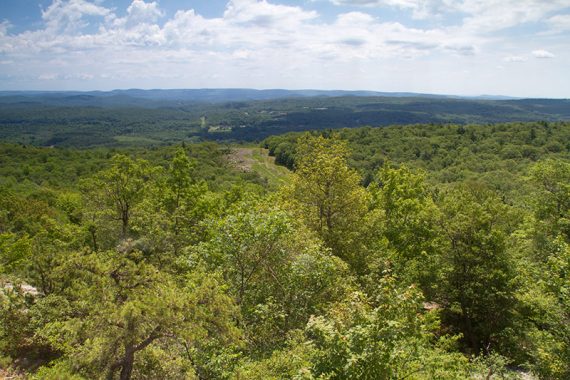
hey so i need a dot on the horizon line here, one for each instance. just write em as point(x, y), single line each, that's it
point(420, 94)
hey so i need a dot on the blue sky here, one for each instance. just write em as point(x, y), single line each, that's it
point(463, 47)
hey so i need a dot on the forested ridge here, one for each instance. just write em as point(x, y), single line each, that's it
point(81, 120)
point(450, 153)
point(413, 252)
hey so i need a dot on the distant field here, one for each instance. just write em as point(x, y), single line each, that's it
point(136, 140)
point(253, 159)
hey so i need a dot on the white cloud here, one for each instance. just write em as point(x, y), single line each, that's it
point(4, 26)
point(263, 14)
point(380, 3)
point(75, 76)
point(420, 9)
point(515, 58)
point(461, 49)
point(70, 15)
point(492, 15)
point(48, 76)
point(355, 18)
point(559, 23)
point(269, 30)
point(542, 54)
point(258, 43)
point(144, 12)
point(481, 16)
point(254, 33)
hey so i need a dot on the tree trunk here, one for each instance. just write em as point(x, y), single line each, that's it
point(93, 231)
point(125, 220)
point(128, 361)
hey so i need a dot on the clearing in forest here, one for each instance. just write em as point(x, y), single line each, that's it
point(257, 159)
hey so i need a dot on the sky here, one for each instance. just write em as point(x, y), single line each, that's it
point(461, 47)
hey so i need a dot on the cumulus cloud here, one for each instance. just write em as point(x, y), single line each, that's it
point(250, 34)
point(477, 15)
point(246, 24)
point(4, 26)
point(461, 49)
point(256, 41)
point(71, 15)
point(542, 54)
point(74, 76)
point(420, 9)
point(559, 23)
point(515, 58)
point(48, 76)
point(264, 14)
point(492, 15)
point(139, 10)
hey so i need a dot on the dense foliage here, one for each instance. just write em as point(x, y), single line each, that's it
point(167, 263)
point(497, 154)
point(88, 120)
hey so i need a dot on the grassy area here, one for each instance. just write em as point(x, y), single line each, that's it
point(265, 166)
point(255, 159)
point(135, 140)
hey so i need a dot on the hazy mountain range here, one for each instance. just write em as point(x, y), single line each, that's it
point(159, 97)
point(169, 116)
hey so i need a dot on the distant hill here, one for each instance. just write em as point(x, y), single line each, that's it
point(147, 117)
point(158, 98)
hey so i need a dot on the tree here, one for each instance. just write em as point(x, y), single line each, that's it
point(326, 194)
point(545, 249)
point(392, 340)
point(118, 308)
point(174, 206)
point(479, 280)
point(278, 272)
point(118, 189)
point(409, 225)
point(552, 206)
point(546, 301)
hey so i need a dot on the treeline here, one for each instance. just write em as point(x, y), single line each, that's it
point(81, 121)
point(27, 168)
point(498, 154)
point(142, 269)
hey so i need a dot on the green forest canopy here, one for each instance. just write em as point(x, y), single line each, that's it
point(80, 120)
point(420, 252)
